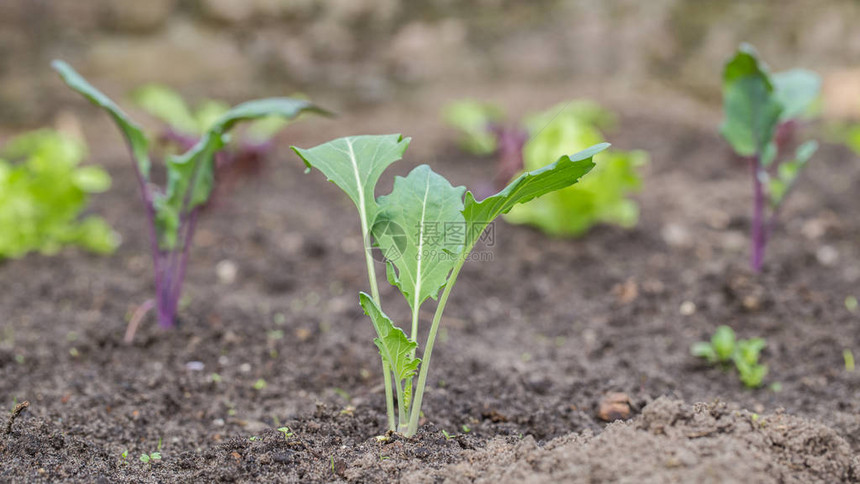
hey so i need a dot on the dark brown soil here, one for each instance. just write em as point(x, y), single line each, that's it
point(532, 341)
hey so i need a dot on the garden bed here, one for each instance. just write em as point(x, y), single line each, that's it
point(533, 341)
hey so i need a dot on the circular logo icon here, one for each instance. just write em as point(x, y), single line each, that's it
point(390, 240)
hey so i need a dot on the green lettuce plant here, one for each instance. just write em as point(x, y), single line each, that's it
point(426, 228)
point(566, 128)
point(172, 212)
point(762, 113)
point(43, 190)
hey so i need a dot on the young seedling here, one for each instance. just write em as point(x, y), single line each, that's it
point(603, 197)
point(762, 112)
point(725, 349)
point(426, 229)
point(288, 432)
point(147, 458)
point(172, 212)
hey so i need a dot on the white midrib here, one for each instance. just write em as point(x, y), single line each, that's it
point(417, 294)
point(362, 210)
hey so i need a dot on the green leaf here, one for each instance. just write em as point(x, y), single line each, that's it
point(563, 173)
point(355, 164)
point(703, 349)
point(473, 119)
point(788, 172)
point(723, 342)
point(392, 342)
point(421, 229)
point(751, 109)
point(191, 176)
point(168, 106)
point(797, 90)
point(133, 133)
point(91, 179)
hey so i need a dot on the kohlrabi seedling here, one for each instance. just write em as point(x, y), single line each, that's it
point(725, 349)
point(603, 197)
point(172, 212)
point(426, 228)
point(762, 112)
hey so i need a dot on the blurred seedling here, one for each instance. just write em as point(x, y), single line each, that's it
point(725, 349)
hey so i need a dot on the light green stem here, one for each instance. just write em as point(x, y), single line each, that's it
point(389, 398)
point(428, 350)
point(414, 335)
point(374, 292)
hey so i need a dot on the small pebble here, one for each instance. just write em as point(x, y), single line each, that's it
point(687, 308)
point(827, 255)
point(245, 367)
point(226, 271)
point(195, 366)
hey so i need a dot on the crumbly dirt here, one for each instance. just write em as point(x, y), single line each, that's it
point(532, 342)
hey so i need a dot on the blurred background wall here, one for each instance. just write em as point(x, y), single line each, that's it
point(366, 52)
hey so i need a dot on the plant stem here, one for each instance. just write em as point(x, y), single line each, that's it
point(758, 234)
point(428, 348)
point(389, 399)
point(374, 292)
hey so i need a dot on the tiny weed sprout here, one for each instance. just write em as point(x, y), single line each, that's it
point(762, 113)
point(148, 458)
point(725, 349)
point(288, 432)
point(172, 212)
point(426, 228)
point(565, 128)
point(848, 356)
point(43, 190)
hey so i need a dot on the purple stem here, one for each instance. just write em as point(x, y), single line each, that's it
point(759, 234)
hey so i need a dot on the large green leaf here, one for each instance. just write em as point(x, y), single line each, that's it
point(751, 109)
point(392, 342)
point(421, 229)
point(133, 133)
point(796, 90)
point(191, 176)
point(561, 174)
point(355, 164)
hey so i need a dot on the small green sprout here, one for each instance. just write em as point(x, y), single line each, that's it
point(851, 304)
point(724, 348)
point(448, 436)
point(848, 356)
point(124, 455)
point(253, 438)
point(465, 428)
point(288, 432)
point(260, 384)
point(148, 458)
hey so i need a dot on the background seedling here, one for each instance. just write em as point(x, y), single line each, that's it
point(602, 197)
point(762, 113)
point(172, 212)
point(725, 349)
point(426, 228)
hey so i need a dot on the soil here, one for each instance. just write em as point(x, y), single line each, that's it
point(533, 340)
